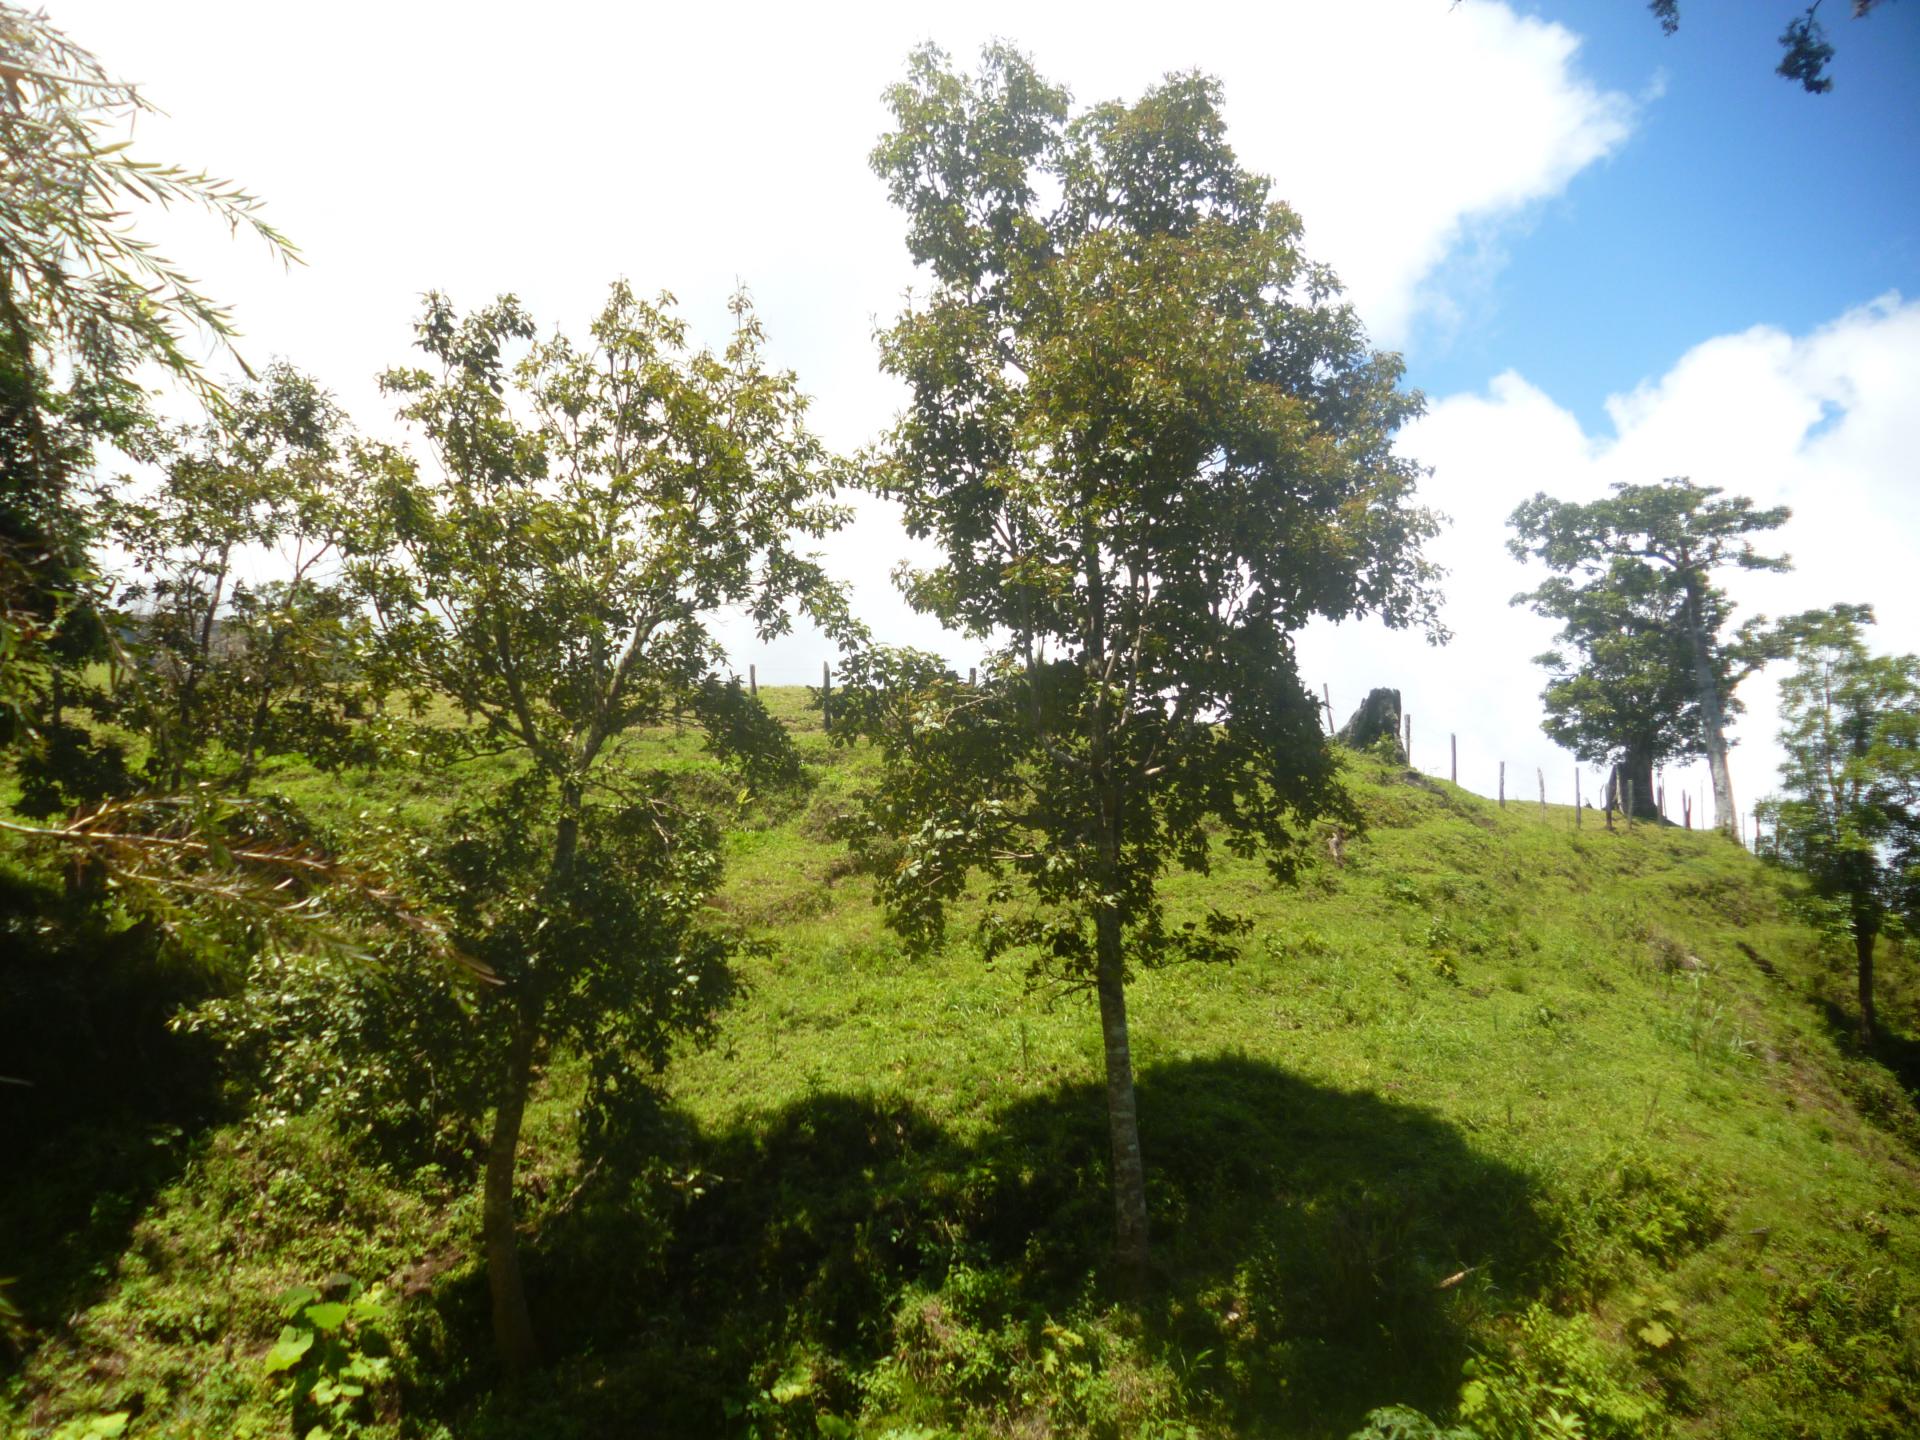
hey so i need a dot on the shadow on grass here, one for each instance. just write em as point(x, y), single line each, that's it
point(1310, 1245)
point(102, 1102)
point(1882, 1079)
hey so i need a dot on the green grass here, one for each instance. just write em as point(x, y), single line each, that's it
point(1577, 1103)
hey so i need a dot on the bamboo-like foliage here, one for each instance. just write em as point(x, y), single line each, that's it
point(74, 272)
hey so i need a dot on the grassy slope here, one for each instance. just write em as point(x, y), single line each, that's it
point(1483, 1060)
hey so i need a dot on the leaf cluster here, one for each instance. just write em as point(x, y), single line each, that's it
point(591, 507)
point(1848, 813)
point(1150, 444)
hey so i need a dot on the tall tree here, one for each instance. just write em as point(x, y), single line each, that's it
point(240, 631)
point(1848, 815)
point(1150, 444)
point(1657, 549)
point(554, 573)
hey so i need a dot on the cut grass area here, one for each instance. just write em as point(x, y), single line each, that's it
point(1483, 1083)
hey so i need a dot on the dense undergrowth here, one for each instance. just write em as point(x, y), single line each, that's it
point(1529, 1129)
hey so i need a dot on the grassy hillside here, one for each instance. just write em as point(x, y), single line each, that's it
point(1539, 1126)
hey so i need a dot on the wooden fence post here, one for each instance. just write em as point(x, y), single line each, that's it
point(753, 681)
point(1686, 808)
point(1453, 744)
point(973, 676)
point(1612, 793)
point(826, 696)
point(1543, 791)
point(1408, 742)
point(1503, 784)
point(1327, 695)
point(1628, 806)
point(1576, 797)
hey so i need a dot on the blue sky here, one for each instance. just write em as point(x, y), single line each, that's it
point(1738, 200)
point(1608, 255)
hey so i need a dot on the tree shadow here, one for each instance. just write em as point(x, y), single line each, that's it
point(102, 1104)
point(1887, 1096)
point(1320, 1252)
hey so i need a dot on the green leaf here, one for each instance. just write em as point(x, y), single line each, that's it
point(293, 1301)
point(328, 1317)
point(797, 1382)
point(1655, 1335)
point(289, 1350)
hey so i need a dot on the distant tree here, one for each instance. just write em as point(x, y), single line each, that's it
point(1620, 688)
point(236, 627)
point(1151, 444)
point(1646, 612)
point(554, 574)
point(1805, 51)
point(1848, 815)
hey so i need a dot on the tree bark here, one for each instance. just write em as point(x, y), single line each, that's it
point(1713, 714)
point(1123, 1116)
point(512, 1323)
point(1632, 781)
point(1863, 947)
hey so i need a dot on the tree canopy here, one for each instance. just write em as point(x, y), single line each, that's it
point(1848, 812)
point(1636, 594)
point(1151, 443)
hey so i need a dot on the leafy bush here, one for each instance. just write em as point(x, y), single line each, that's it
point(334, 1357)
point(388, 1056)
point(1555, 1384)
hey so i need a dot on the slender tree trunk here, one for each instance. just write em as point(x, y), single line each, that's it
point(196, 667)
point(257, 723)
point(512, 1323)
point(256, 727)
point(1713, 714)
point(1123, 1116)
point(1863, 947)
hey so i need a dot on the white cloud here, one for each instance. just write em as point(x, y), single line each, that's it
point(490, 147)
point(1822, 422)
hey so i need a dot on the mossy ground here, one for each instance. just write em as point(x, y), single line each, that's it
point(1580, 1102)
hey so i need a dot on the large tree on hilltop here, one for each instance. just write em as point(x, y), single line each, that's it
point(1848, 814)
point(1620, 689)
point(1151, 444)
point(1646, 557)
point(555, 573)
